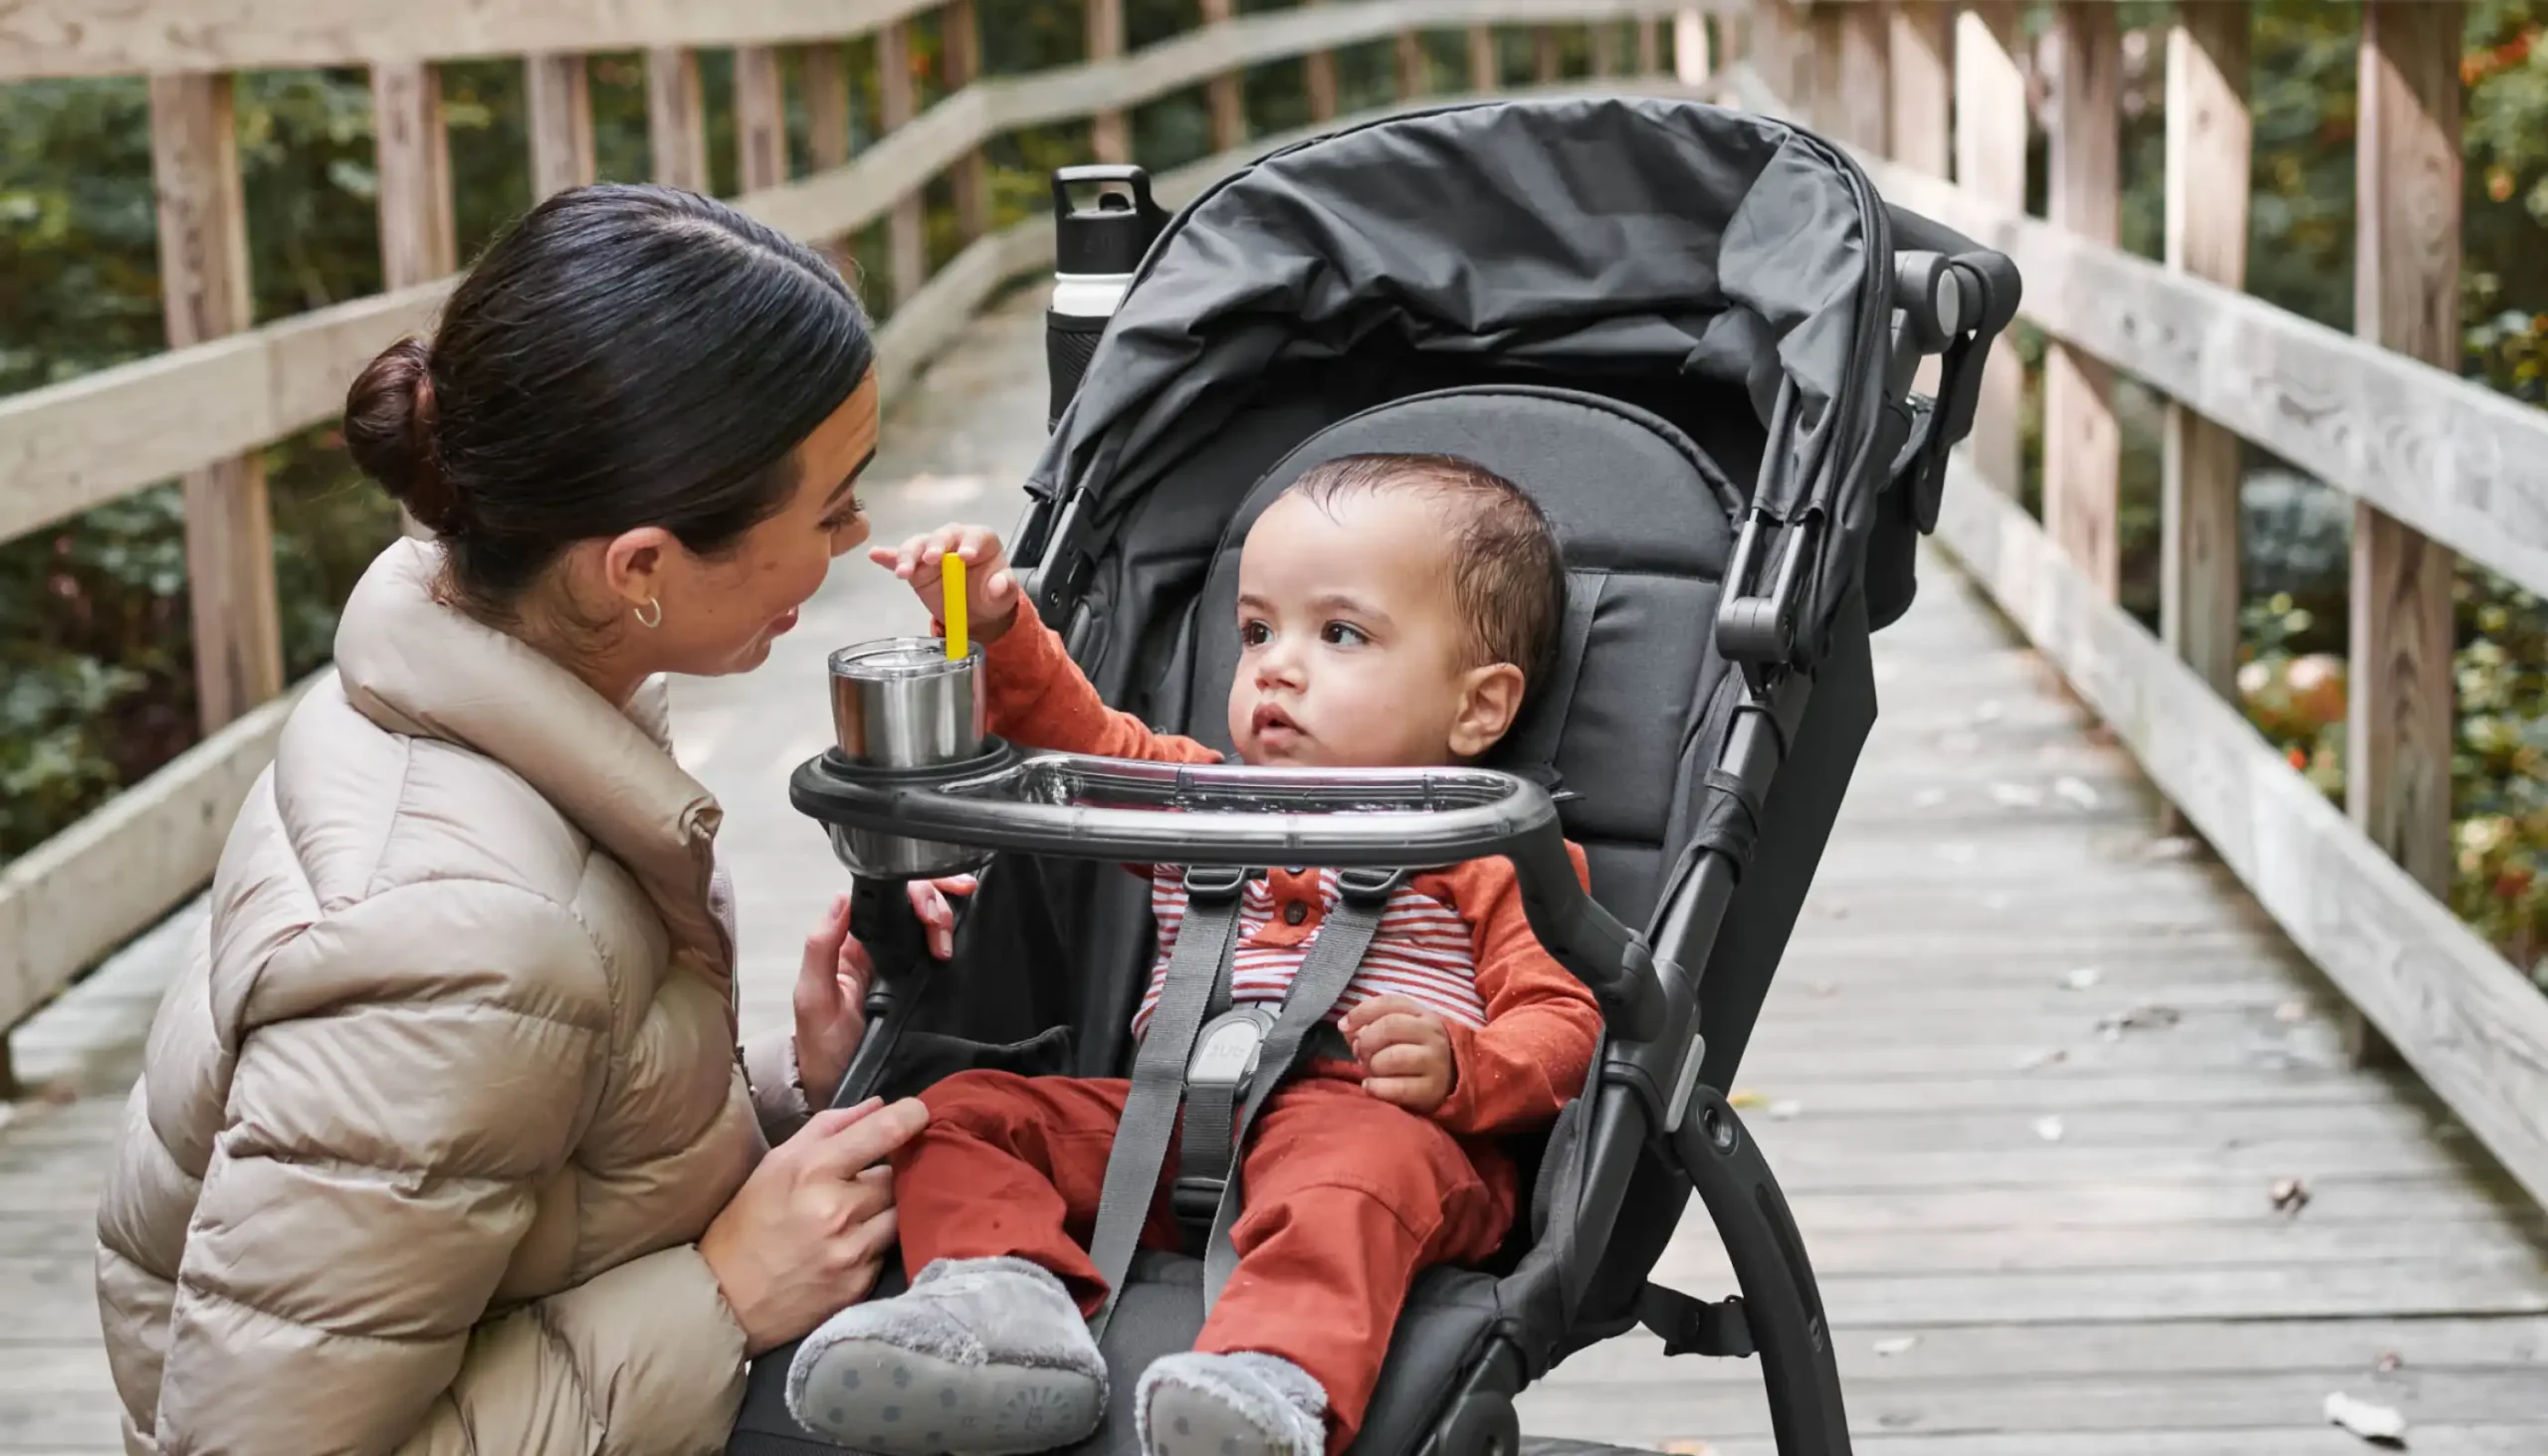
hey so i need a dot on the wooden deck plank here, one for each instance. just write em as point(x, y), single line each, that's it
point(2128, 1289)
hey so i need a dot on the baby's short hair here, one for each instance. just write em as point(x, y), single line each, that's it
point(1506, 571)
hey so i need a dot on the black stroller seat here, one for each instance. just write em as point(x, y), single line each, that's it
point(1690, 334)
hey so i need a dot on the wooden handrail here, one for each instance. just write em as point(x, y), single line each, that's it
point(2458, 461)
point(68, 448)
point(2437, 465)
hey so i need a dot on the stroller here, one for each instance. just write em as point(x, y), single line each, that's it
point(1692, 334)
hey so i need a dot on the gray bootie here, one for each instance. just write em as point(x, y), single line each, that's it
point(981, 1357)
point(1239, 1404)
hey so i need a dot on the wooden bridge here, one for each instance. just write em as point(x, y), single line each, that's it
point(2133, 1098)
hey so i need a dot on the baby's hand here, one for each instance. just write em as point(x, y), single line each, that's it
point(1404, 1051)
point(991, 589)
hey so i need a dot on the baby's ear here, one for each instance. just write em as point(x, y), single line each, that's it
point(1490, 701)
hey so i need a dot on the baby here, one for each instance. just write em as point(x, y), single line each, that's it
point(1391, 612)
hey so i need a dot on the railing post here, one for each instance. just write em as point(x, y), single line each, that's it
point(2209, 137)
point(1412, 80)
point(2398, 737)
point(557, 94)
point(1864, 87)
point(1991, 126)
point(1486, 67)
point(1692, 63)
point(1649, 41)
point(676, 119)
point(1226, 92)
point(1110, 133)
point(1544, 59)
point(1819, 98)
point(1605, 48)
point(896, 101)
point(760, 119)
point(413, 156)
point(960, 29)
point(1317, 78)
point(826, 80)
point(1920, 86)
point(2082, 446)
point(203, 281)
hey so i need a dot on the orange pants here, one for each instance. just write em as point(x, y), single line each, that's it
point(1347, 1197)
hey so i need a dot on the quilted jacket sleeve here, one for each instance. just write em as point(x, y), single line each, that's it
point(397, 1104)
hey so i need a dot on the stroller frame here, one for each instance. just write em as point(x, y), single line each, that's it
point(1944, 296)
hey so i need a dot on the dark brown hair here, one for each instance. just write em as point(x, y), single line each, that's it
point(623, 357)
point(1506, 570)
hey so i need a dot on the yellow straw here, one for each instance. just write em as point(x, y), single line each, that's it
point(951, 577)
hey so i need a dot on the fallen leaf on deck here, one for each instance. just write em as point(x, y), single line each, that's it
point(2044, 1058)
point(60, 1091)
point(2017, 796)
point(1688, 1448)
point(2379, 1423)
point(2076, 791)
point(2291, 1195)
point(2082, 978)
point(2048, 1129)
point(2138, 1018)
point(2290, 1011)
point(1786, 1110)
point(2391, 1361)
point(1894, 1345)
point(1745, 1098)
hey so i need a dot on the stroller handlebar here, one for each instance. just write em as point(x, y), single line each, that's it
point(1075, 806)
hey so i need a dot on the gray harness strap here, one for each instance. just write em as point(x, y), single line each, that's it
point(1206, 941)
point(1325, 972)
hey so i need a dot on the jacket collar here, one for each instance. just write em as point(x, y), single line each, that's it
point(415, 666)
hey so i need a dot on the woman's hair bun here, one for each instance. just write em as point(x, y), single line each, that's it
point(389, 429)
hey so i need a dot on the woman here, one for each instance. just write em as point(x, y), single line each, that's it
point(444, 1146)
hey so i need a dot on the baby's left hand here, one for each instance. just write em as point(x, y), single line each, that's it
point(1404, 1050)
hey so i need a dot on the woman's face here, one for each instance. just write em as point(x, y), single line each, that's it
point(719, 613)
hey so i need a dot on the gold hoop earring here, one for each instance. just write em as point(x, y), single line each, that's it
point(651, 614)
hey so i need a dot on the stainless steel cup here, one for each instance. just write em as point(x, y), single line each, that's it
point(899, 703)
point(902, 702)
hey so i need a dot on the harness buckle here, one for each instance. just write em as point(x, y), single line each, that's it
point(1218, 1076)
point(1216, 882)
point(1370, 883)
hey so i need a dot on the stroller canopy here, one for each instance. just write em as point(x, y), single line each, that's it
point(1604, 235)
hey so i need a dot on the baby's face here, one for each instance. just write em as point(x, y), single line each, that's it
point(1352, 649)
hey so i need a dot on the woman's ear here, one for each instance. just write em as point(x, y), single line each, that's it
point(1490, 701)
point(635, 566)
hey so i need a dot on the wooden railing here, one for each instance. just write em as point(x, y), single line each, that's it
point(224, 390)
point(2436, 465)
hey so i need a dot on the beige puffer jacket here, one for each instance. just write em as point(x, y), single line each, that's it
point(427, 1135)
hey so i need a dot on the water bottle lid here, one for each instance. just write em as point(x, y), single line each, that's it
point(1110, 235)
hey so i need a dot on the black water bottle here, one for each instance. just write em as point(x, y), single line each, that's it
point(1095, 252)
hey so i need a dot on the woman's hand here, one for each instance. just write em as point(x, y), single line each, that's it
point(990, 588)
point(1404, 1051)
point(831, 985)
point(805, 1234)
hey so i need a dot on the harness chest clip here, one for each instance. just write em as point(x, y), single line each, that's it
point(1218, 1078)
